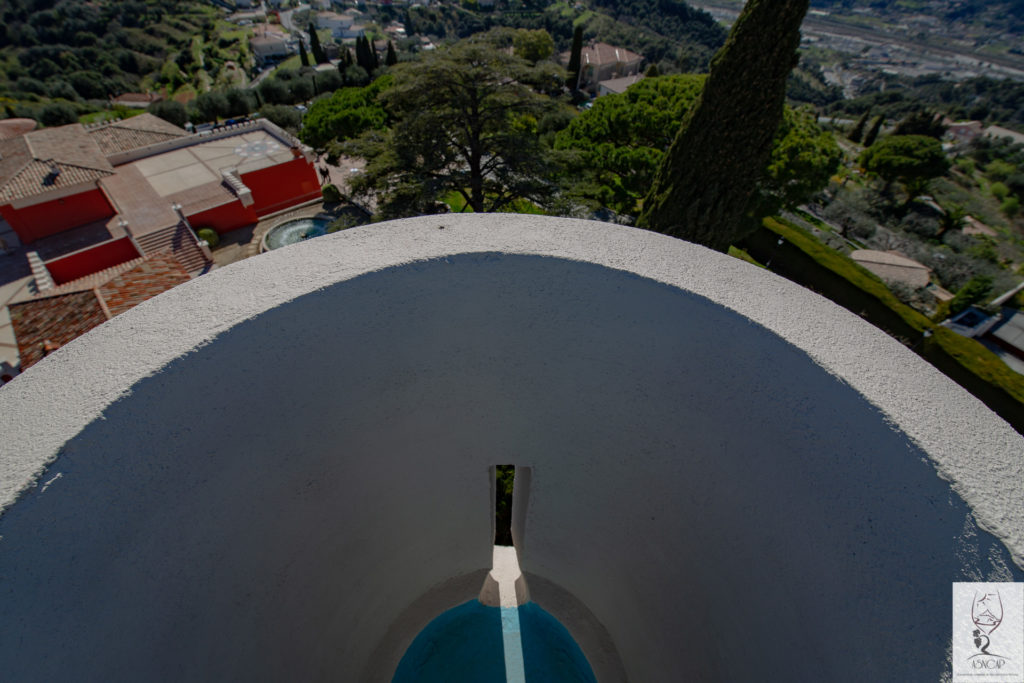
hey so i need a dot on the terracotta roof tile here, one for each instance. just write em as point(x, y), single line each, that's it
point(54, 319)
point(155, 275)
point(49, 321)
point(28, 163)
point(603, 53)
point(92, 280)
point(12, 128)
point(138, 131)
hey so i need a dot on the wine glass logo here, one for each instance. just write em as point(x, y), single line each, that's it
point(987, 614)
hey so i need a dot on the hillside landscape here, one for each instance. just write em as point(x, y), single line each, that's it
point(881, 147)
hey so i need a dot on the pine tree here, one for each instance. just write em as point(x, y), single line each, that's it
point(858, 130)
point(314, 44)
point(391, 59)
point(707, 189)
point(875, 129)
point(303, 56)
point(572, 81)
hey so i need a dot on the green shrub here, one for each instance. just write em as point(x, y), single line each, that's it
point(343, 223)
point(965, 166)
point(999, 170)
point(975, 291)
point(332, 194)
point(1011, 207)
point(210, 235)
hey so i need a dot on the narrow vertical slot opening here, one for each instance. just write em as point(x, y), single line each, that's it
point(504, 479)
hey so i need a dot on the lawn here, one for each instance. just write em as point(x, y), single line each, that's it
point(110, 115)
point(293, 62)
point(457, 203)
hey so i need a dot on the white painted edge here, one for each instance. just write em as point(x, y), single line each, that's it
point(976, 451)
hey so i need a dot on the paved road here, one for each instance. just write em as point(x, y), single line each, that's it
point(286, 17)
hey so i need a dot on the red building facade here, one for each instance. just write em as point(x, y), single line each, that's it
point(132, 182)
point(47, 218)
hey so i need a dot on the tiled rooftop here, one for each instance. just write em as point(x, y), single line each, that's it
point(45, 323)
point(189, 167)
point(893, 267)
point(55, 319)
point(153, 276)
point(12, 128)
point(92, 280)
point(603, 53)
point(27, 163)
point(137, 202)
point(133, 133)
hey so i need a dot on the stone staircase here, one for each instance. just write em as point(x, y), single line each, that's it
point(180, 241)
point(43, 279)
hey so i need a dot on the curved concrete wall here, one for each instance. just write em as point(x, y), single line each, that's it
point(280, 470)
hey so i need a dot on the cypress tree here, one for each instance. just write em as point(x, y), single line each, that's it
point(364, 58)
point(303, 56)
point(360, 57)
point(875, 129)
point(314, 44)
point(858, 131)
point(706, 190)
point(573, 79)
point(391, 59)
point(921, 122)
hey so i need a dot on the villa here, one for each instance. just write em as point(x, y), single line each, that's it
point(601, 62)
point(91, 198)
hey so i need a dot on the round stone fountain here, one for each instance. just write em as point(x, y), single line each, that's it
point(294, 231)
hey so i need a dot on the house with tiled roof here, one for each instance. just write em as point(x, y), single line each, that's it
point(91, 198)
point(268, 43)
point(893, 267)
point(617, 86)
point(49, 320)
point(603, 62)
point(49, 181)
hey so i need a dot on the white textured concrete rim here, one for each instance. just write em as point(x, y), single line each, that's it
point(972, 448)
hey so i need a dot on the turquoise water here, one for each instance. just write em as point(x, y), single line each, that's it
point(465, 645)
point(296, 231)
